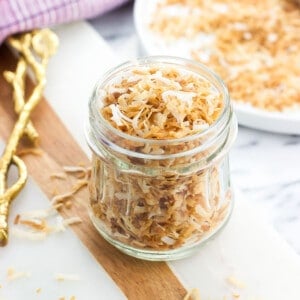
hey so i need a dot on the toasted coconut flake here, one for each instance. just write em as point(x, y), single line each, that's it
point(184, 97)
point(167, 240)
point(14, 275)
point(66, 277)
point(29, 235)
point(58, 176)
point(37, 224)
point(66, 196)
point(163, 104)
point(17, 219)
point(79, 185)
point(233, 281)
point(62, 197)
point(38, 290)
point(193, 294)
point(82, 175)
point(10, 271)
point(75, 169)
point(253, 45)
point(72, 221)
point(170, 210)
point(117, 116)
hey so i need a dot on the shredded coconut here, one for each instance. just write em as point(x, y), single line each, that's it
point(248, 35)
point(159, 212)
point(164, 108)
point(193, 294)
point(75, 169)
point(66, 277)
point(58, 176)
point(14, 275)
point(233, 281)
point(72, 221)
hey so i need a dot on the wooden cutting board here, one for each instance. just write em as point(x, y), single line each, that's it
point(58, 149)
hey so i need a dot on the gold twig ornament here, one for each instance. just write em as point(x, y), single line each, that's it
point(35, 49)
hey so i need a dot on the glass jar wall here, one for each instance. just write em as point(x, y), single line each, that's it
point(153, 198)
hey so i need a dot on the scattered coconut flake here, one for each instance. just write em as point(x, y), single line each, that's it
point(233, 281)
point(38, 290)
point(17, 219)
point(37, 224)
point(193, 294)
point(72, 221)
point(75, 169)
point(66, 277)
point(61, 197)
point(14, 275)
point(236, 296)
point(79, 185)
point(58, 176)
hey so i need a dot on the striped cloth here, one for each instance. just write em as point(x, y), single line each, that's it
point(22, 15)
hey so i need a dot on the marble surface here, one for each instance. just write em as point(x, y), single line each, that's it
point(265, 166)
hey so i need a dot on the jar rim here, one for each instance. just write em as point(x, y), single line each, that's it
point(160, 59)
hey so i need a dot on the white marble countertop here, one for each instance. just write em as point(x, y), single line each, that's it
point(265, 166)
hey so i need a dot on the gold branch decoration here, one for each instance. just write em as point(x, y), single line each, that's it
point(34, 48)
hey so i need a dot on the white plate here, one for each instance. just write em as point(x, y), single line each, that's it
point(281, 122)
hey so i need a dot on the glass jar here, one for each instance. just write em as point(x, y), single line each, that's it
point(160, 199)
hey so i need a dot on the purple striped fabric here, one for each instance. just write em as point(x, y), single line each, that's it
point(22, 15)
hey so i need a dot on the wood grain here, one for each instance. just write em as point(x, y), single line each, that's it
point(137, 279)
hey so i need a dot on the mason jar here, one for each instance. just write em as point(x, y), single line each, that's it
point(159, 199)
